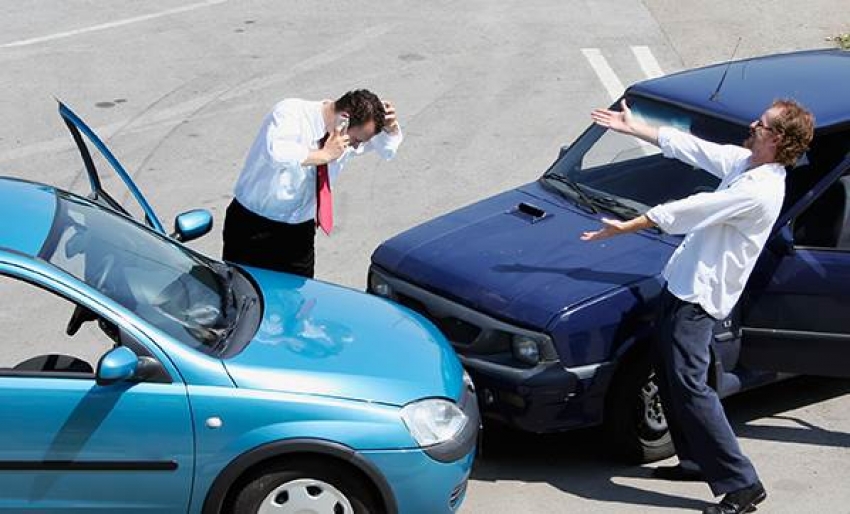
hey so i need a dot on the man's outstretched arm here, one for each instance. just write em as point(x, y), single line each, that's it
point(617, 227)
point(719, 160)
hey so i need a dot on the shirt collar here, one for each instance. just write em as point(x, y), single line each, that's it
point(317, 121)
point(773, 167)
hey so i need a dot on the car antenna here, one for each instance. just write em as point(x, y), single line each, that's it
point(716, 93)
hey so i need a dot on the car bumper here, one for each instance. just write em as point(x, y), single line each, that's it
point(420, 484)
point(545, 398)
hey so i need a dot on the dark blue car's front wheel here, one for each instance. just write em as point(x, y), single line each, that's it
point(304, 486)
point(634, 418)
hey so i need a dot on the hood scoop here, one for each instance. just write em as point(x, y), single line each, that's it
point(529, 212)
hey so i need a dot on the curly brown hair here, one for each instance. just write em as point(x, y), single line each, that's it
point(362, 106)
point(796, 126)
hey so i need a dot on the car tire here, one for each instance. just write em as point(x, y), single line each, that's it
point(305, 486)
point(634, 420)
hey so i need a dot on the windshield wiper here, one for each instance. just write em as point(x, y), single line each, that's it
point(621, 209)
point(572, 184)
point(615, 206)
point(225, 277)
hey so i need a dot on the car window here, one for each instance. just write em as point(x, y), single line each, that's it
point(164, 283)
point(826, 222)
point(635, 173)
point(33, 322)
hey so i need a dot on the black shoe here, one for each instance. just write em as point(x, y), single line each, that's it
point(740, 501)
point(677, 473)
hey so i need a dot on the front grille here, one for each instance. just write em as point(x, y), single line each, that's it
point(457, 494)
point(455, 329)
point(470, 331)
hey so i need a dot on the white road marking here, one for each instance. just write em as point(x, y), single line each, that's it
point(603, 70)
point(647, 62)
point(110, 25)
point(612, 82)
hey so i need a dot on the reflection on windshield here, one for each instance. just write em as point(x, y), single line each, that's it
point(172, 288)
point(627, 176)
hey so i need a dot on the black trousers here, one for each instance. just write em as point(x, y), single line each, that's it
point(254, 240)
point(697, 421)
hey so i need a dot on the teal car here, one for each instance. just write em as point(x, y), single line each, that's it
point(138, 375)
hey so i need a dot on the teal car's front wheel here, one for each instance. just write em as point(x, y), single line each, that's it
point(304, 487)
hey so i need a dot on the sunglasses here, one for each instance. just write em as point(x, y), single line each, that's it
point(761, 124)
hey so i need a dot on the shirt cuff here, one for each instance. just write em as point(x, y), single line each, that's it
point(661, 217)
point(394, 139)
point(664, 136)
point(387, 144)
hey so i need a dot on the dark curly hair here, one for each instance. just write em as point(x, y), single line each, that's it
point(796, 127)
point(362, 106)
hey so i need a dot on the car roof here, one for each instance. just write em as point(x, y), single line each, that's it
point(27, 210)
point(816, 78)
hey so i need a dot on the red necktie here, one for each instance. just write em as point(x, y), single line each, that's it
point(324, 200)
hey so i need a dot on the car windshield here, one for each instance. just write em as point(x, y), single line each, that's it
point(605, 170)
point(166, 284)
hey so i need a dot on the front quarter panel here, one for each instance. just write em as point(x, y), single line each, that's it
point(250, 419)
point(604, 328)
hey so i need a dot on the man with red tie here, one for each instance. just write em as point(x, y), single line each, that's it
point(285, 189)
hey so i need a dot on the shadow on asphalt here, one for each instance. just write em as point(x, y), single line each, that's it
point(578, 462)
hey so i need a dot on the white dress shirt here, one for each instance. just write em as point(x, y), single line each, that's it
point(726, 229)
point(273, 183)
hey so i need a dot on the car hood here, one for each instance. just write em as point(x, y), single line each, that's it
point(493, 258)
point(318, 338)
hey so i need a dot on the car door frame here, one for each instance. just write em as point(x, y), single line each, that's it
point(78, 128)
point(793, 351)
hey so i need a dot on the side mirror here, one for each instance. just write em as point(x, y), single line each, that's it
point(192, 225)
point(116, 365)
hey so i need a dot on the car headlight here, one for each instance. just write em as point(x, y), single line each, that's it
point(379, 286)
point(433, 421)
point(526, 349)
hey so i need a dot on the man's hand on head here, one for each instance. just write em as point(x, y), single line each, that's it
point(390, 119)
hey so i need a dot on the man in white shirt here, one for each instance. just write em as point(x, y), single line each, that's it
point(285, 186)
point(725, 232)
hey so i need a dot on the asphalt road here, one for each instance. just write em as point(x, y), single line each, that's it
point(487, 92)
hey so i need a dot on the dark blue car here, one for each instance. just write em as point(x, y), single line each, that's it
point(554, 330)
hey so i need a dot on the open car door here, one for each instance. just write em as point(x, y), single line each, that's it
point(797, 310)
point(85, 137)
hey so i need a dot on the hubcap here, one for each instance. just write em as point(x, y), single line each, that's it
point(653, 414)
point(305, 496)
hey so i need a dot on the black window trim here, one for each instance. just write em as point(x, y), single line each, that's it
point(140, 349)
